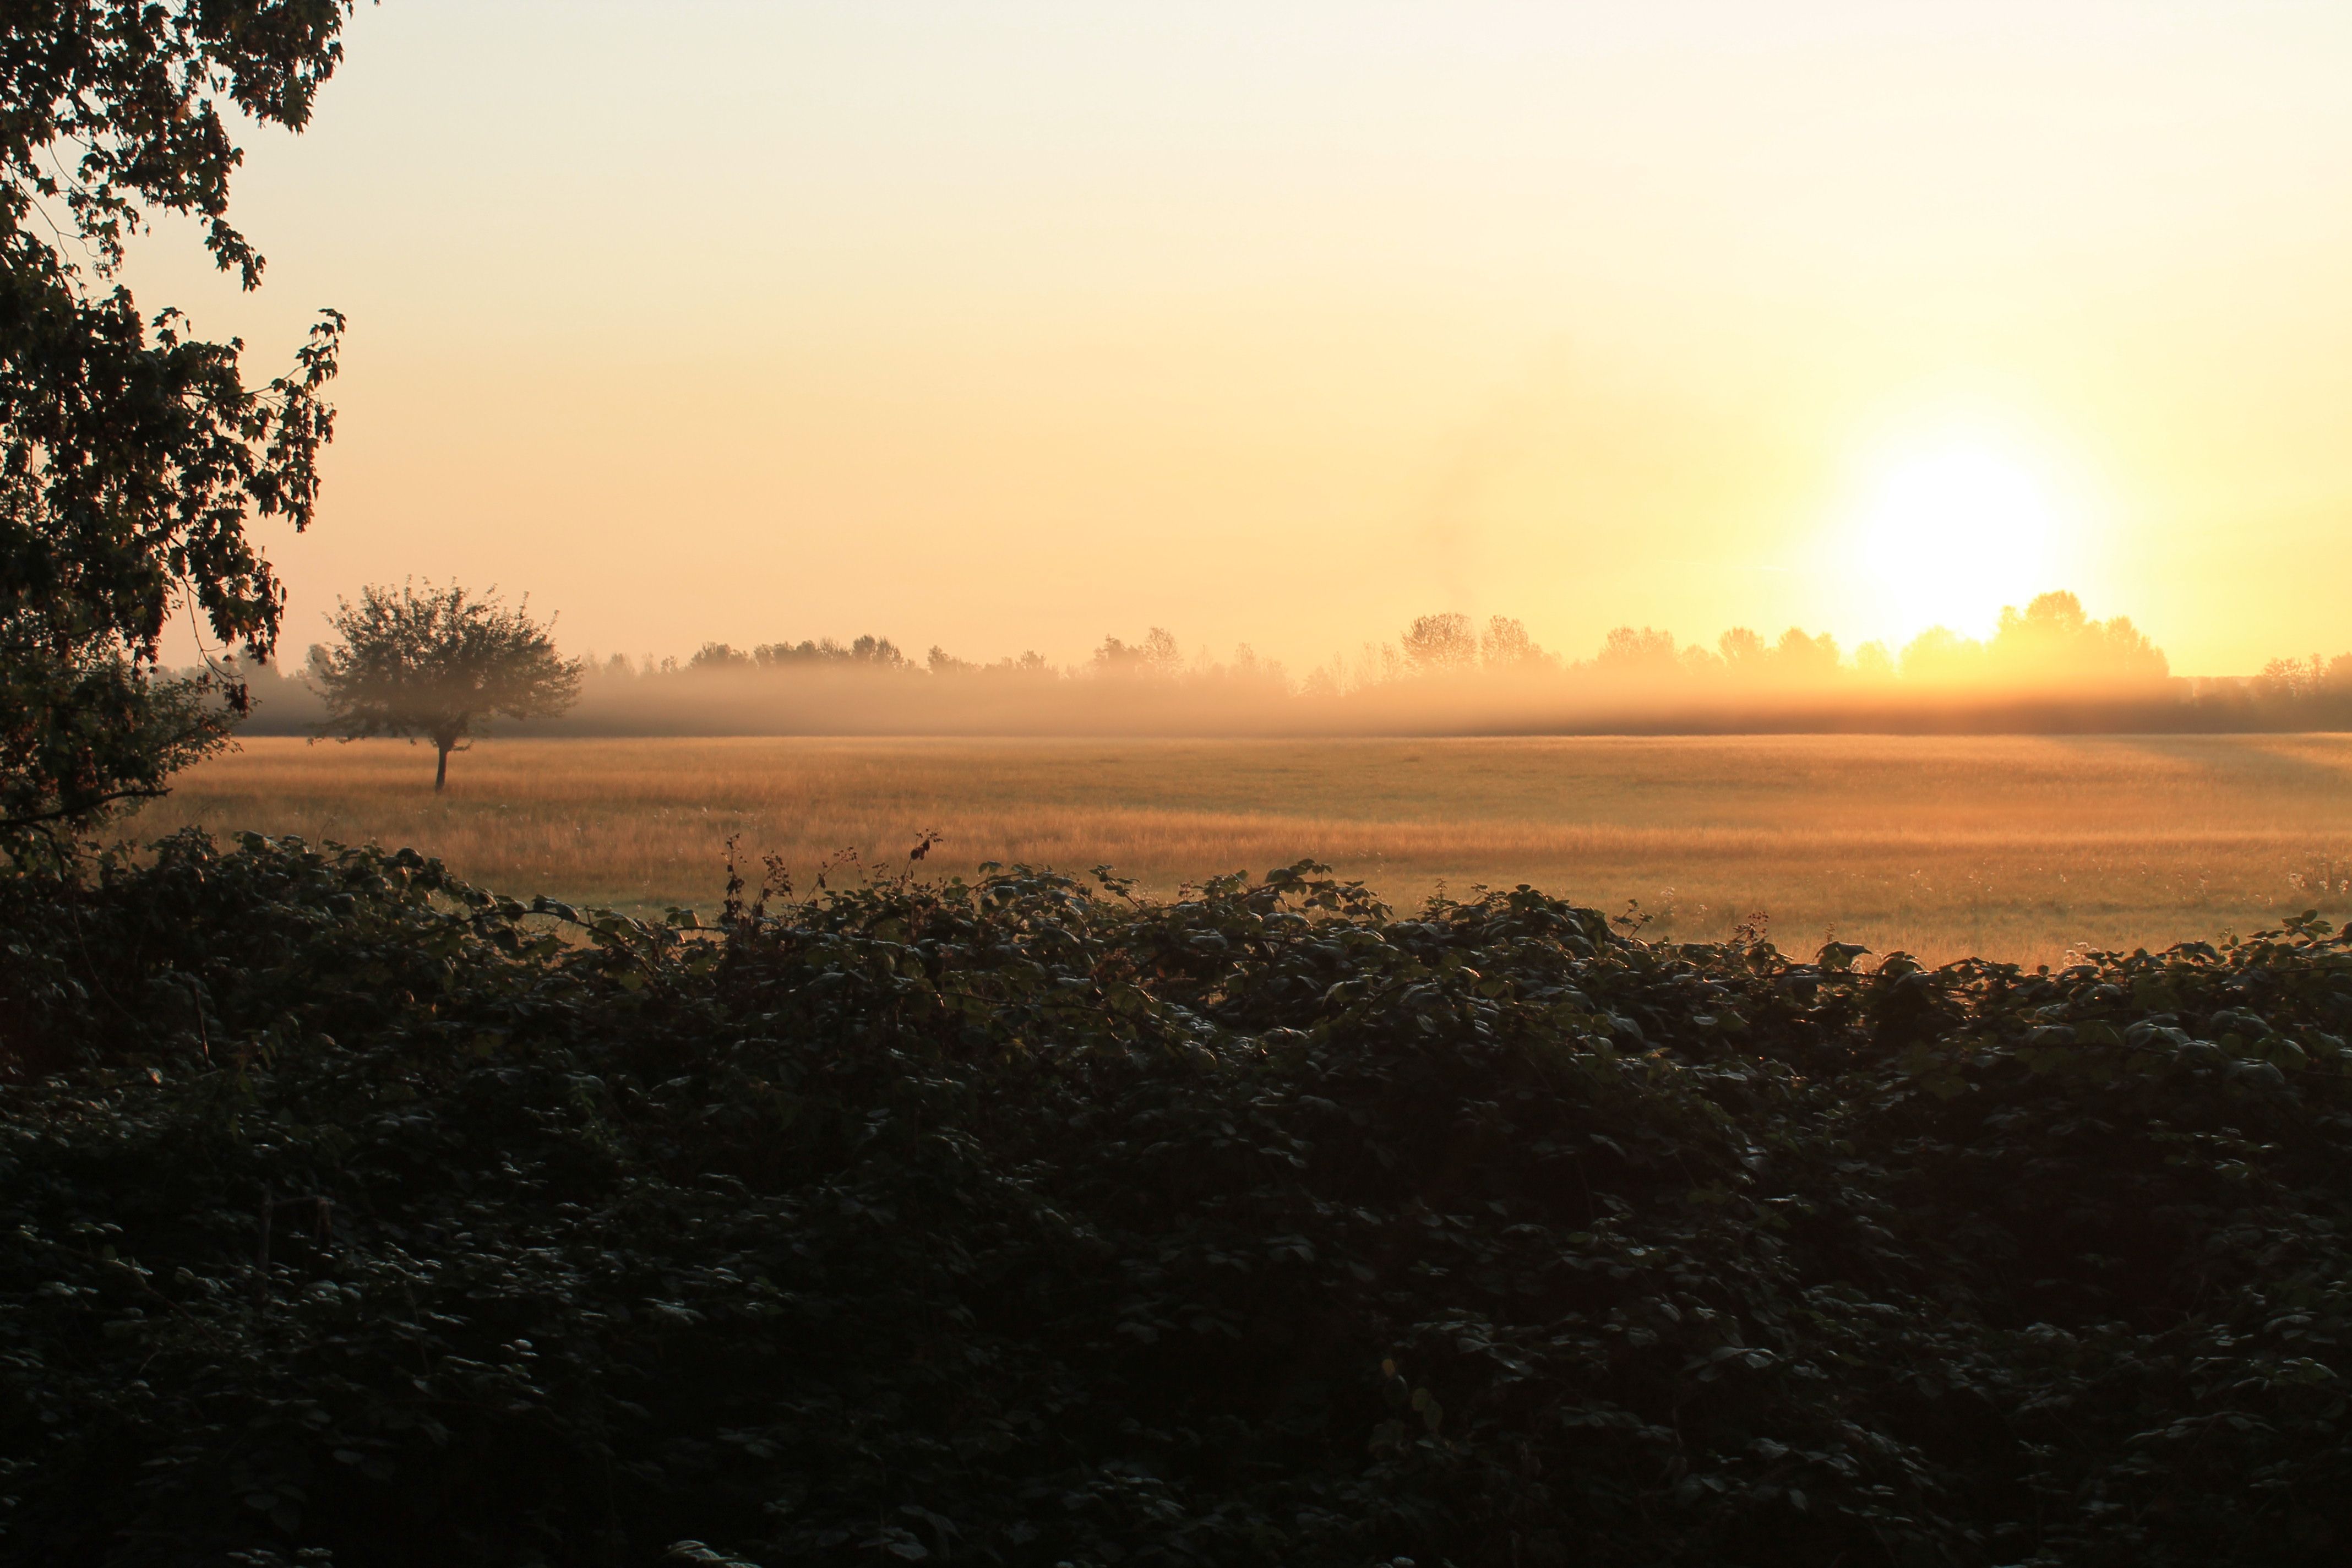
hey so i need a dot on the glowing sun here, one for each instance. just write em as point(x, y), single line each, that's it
point(1949, 535)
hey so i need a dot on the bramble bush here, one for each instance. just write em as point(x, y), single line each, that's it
point(356, 1217)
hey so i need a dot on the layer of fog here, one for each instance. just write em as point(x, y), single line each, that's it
point(2050, 667)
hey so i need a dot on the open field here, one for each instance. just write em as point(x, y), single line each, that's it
point(2011, 847)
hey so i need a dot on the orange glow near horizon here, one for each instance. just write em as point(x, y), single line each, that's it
point(1018, 326)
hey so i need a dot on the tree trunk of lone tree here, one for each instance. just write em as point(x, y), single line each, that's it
point(440, 765)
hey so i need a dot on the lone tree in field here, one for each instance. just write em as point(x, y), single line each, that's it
point(134, 454)
point(436, 666)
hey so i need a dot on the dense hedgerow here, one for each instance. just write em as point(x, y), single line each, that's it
point(350, 1215)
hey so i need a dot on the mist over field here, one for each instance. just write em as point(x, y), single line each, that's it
point(2048, 668)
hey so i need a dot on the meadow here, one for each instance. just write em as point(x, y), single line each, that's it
point(2013, 847)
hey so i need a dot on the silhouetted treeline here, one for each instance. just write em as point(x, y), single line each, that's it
point(2048, 667)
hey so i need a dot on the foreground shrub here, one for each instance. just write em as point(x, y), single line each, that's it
point(350, 1211)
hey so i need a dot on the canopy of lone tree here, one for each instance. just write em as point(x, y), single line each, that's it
point(437, 665)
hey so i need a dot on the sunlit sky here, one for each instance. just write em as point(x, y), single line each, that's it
point(1010, 325)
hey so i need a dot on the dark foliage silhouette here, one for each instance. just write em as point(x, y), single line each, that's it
point(352, 1211)
point(133, 457)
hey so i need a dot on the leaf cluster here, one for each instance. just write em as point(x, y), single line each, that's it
point(105, 103)
point(82, 732)
point(132, 455)
point(353, 1211)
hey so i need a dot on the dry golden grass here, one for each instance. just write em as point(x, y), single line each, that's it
point(2011, 847)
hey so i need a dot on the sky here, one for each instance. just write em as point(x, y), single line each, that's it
point(1016, 325)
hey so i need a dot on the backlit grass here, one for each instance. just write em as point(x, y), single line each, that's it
point(2011, 847)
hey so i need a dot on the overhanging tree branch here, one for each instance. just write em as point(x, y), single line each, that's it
point(134, 455)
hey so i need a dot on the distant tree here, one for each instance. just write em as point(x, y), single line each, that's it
point(939, 661)
point(2054, 639)
point(1441, 645)
point(134, 454)
point(880, 652)
point(1644, 650)
point(776, 655)
point(718, 656)
point(2318, 692)
point(2051, 642)
point(877, 653)
point(1030, 664)
point(2289, 680)
point(1507, 647)
point(1156, 655)
point(436, 666)
point(1742, 649)
point(1797, 657)
point(1249, 665)
point(1941, 655)
point(2302, 680)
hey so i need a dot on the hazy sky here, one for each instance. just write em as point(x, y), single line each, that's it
point(1013, 325)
